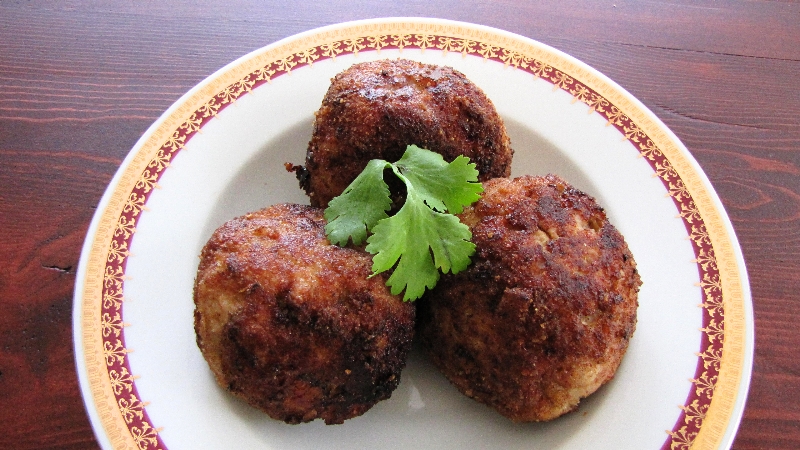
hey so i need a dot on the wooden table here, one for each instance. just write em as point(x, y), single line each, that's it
point(79, 83)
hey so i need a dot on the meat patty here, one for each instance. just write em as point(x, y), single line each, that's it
point(543, 316)
point(374, 110)
point(294, 325)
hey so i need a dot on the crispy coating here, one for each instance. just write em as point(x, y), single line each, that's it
point(292, 324)
point(543, 316)
point(374, 110)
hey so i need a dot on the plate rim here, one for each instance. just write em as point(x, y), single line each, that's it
point(731, 288)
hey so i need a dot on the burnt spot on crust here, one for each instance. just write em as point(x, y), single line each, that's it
point(544, 314)
point(376, 109)
point(294, 325)
point(300, 172)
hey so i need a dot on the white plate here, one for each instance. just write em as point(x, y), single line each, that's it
point(219, 152)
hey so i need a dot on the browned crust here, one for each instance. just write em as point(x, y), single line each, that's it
point(375, 109)
point(292, 324)
point(543, 316)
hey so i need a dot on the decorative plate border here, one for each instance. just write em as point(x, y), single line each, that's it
point(709, 406)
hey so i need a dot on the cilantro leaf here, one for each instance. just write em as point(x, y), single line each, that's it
point(443, 186)
point(398, 238)
point(421, 238)
point(359, 207)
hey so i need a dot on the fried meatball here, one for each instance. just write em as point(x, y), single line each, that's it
point(294, 325)
point(374, 110)
point(543, 316)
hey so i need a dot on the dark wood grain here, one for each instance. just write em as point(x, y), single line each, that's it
point(81, 81)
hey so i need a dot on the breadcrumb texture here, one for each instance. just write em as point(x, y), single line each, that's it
point(543, 316)
point(373, 110)
point(294, 325)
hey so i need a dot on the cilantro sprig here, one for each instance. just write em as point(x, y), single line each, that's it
point(424, 236)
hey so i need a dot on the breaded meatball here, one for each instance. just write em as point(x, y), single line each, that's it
point(294, 325)
point(374, 110)
point(544, 314)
